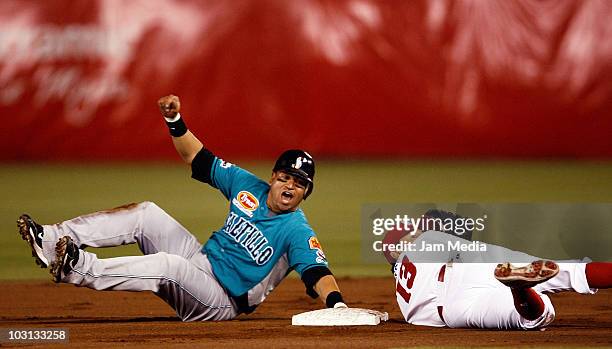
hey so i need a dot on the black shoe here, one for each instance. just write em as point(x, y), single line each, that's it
point(32, 232)
point(66, 257)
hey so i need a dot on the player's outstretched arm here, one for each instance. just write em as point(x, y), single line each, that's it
point(185, 142)
point(327, 288)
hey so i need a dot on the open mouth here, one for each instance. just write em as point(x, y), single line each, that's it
point(287, 195)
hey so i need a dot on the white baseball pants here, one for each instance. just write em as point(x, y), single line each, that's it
point(474, 298)
point(173, 266)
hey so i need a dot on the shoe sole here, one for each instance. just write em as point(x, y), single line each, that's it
point(60, 258)
point(28, 235)
point(527, 276)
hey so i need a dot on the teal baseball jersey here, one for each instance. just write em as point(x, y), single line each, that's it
point(254, 239)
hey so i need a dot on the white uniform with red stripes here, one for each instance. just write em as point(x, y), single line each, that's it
point(466, 294)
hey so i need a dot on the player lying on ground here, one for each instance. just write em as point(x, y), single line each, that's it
point(485, 295)
point(265, 236)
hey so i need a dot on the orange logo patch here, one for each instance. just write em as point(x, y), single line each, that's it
point(314, 243)
point(247, 200)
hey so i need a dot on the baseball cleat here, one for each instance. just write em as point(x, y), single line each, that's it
point(32, 232)
point(66, 257)
point(527, 276)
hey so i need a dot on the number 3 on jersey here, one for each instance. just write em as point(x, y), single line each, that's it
point(405, 278)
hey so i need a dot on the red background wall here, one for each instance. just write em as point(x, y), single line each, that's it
point(525, 78)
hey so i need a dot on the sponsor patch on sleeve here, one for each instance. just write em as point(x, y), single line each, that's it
point(314, 243)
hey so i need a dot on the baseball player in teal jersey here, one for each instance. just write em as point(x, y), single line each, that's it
point(265, 236)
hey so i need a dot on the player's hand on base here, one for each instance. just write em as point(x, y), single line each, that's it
point(340, 305)
point(169, 106)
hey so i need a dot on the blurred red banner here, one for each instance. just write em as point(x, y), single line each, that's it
point(79, 80)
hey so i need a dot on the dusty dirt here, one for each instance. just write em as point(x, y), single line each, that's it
point(136, 319)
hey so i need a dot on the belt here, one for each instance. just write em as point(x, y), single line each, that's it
point(441, 279)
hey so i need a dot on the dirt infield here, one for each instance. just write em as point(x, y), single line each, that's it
point(113, 319)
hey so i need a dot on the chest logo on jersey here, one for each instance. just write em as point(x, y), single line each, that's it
point(249, 237)
point(246, 202)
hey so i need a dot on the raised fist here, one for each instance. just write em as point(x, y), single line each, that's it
point(169, 106)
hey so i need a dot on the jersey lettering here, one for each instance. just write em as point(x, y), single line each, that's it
point(407, 273)
point(225, 164)
point(249, 237)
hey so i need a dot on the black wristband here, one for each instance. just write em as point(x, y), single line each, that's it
point(312, 276)
point(333, 298)
point(177, 128)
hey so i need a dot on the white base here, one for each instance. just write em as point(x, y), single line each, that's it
point(339, 317)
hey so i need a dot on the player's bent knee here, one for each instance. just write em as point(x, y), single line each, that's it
point(149, 205)
point(171, 267)
point(153, 209)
